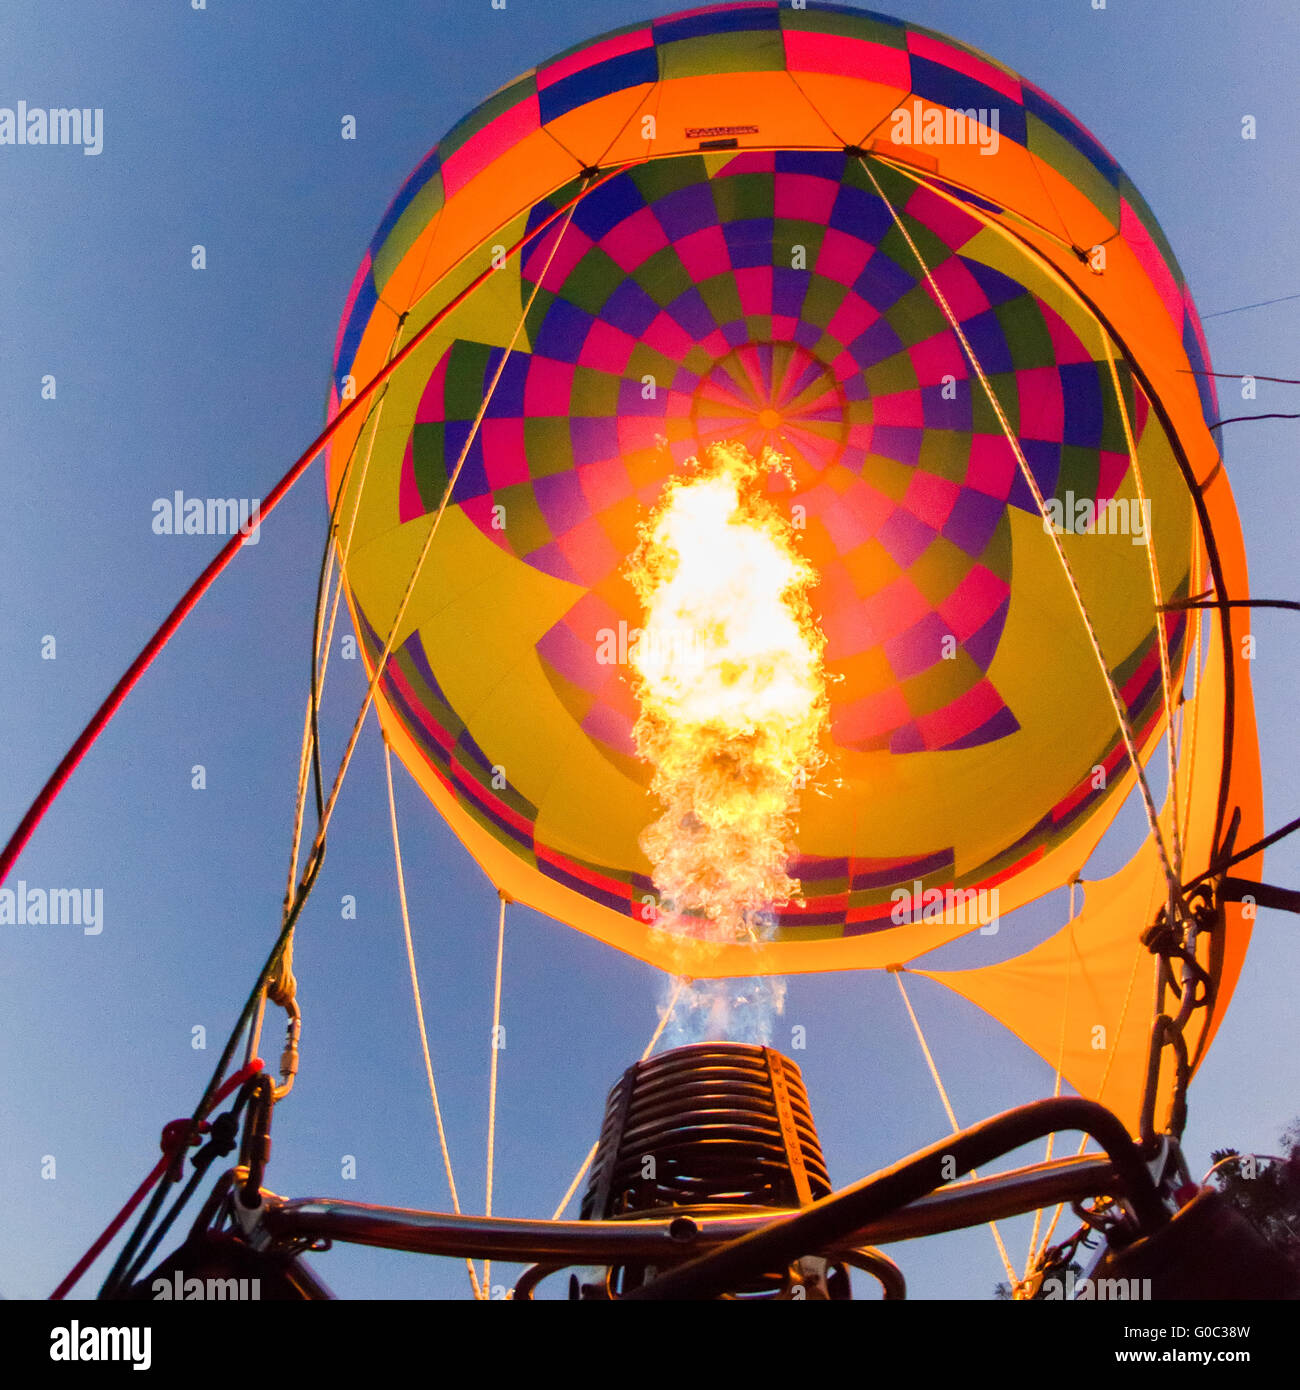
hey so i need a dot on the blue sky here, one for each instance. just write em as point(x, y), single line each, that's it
point(221, 127)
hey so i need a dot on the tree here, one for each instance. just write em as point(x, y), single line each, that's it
point(1266, 1191)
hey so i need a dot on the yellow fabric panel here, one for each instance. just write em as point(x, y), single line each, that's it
point(471, 596)
point(478, 608)
point(512, 876)
point(584, 800)
point(1093, 974)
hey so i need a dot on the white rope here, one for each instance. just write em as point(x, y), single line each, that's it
point(320, 662)
point(384, 654)
point(419, 1007)
point(492, 1083)
point(1162, 636)
point(304, 757)
point(1121, 714)
point(325, 637)
point(1105, 1076)
point(649, 1048)
point(1197, 620)
point(1031, 1258)
point(952, 1116)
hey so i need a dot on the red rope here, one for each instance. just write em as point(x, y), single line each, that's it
point(173, 1141)
point(50, 791)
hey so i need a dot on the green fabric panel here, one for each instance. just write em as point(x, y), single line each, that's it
point(1007, 389)
point(1068, 162)
point(939, 570)
point(594, 393)
point(822, 301)
point(787, 233)
point(719, 293)
point(916, 317)
point(946, 454)
point(846, 23)
point(593, 281)
point(893, 375)
point(548, 446)
point(429, 462)
point(1080, 473)
point(421, 210)
point(945, 681)
point(997, 553)
point(1026, 332)
point(740, 198)
point(759, 50)
point(484, 115)
point(465, 380)
point(660, 177)
point(663, 277)
point(527, 527)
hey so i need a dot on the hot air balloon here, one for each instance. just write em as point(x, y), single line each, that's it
point(884, 257)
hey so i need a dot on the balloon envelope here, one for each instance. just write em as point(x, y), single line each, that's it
point(739, 271)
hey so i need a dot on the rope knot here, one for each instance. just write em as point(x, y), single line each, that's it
point(177, 1133)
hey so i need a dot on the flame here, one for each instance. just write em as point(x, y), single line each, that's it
point(729, 677)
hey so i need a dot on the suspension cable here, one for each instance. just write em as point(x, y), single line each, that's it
point(1112, 1053)
point(214, 1087)
point(174, 1135)
point(1032, 1257)
point(1162, 635)
point(1121, 714)
point(1269, 415)
point(492, 1081)
point(323, 637)
point(897, 972)
point(395, 626)
point(281, 987)
point(1243, 376)
point(1258, 304)
point(100, 720)
point(419, 1006)
point(678, 985)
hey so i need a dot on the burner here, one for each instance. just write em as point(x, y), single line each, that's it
point(711, 1129)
